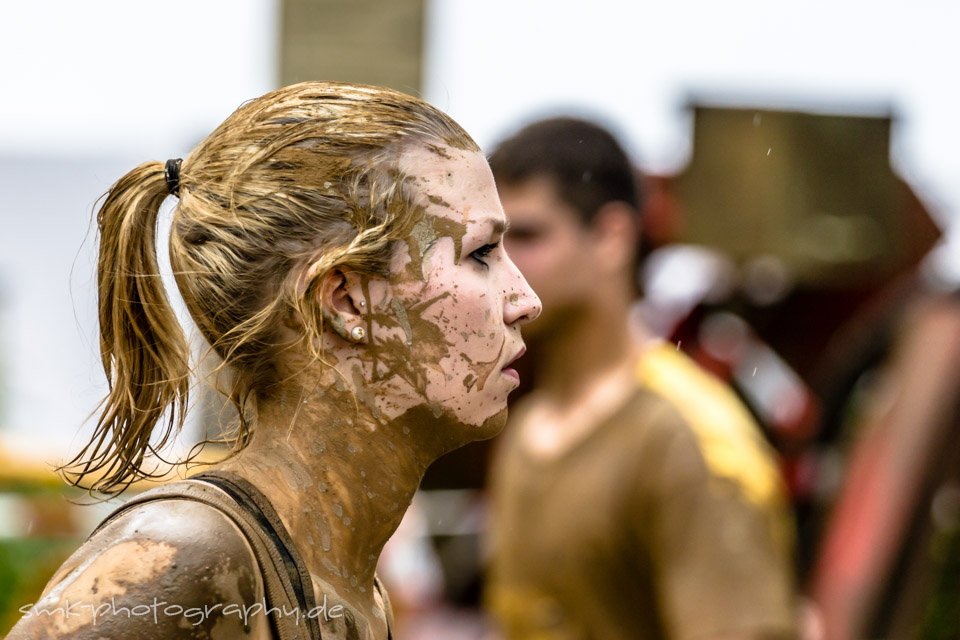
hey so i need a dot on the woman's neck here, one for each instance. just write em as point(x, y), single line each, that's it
point(339, 480)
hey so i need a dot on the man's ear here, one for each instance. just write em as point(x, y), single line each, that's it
point(616, 230)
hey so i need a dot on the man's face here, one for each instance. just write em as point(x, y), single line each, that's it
point(553, 249)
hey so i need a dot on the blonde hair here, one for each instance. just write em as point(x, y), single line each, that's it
point(297, 183)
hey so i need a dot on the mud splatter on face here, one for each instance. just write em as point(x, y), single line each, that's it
point(483, 370)
point(364, 394)
point(444, 334)
point(425, 233)
point(408, 356)
point(440, 202)
point(440, 151)
point(441, 430)
point(402, 319)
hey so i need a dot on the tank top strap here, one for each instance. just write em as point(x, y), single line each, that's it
point(284, 574)
point(387, 607)
point(256, 505)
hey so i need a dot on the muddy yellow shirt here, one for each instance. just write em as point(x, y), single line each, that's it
point(668, 521)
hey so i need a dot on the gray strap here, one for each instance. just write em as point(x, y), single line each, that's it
point(279, 591)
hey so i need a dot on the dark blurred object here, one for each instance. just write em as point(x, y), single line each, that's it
point(804, 196)
point(890, 559)
point(801, 197)
point(781, 254)
point(815, 191)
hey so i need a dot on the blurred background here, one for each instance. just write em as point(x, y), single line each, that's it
point(803, 183)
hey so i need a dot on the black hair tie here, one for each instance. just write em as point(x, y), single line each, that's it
point(171, 172)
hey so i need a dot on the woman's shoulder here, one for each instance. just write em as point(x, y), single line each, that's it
point(165, 568)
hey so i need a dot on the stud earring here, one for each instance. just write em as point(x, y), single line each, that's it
point(363, 303)
point(358, 333)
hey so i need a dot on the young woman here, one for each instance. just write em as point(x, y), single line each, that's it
point(339, 246)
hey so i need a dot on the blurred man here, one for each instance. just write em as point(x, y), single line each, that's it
point(634, 497)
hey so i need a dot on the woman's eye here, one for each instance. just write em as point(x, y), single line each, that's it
point(481, 254)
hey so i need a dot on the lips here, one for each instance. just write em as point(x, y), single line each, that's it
point(519, 355)
point(509, 371)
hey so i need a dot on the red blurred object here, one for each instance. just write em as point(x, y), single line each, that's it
point(876, 574)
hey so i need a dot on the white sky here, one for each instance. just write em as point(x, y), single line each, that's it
point(126, 81)
point(114, 77)
point(491, 63)
point(91, 89)
point(128, 78)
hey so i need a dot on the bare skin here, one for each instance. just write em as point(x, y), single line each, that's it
point(338, 450)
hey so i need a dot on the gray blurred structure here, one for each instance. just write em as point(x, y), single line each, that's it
point(814, 190)
point(368, 41)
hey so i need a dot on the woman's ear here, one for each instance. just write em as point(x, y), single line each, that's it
point(344, 304)
point(340, 295)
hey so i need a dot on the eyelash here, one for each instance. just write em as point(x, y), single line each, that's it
point(483, 252)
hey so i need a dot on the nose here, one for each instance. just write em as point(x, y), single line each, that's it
point(521, 303)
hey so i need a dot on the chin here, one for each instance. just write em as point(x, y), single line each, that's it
point(467, 431)
point(491, 426)
point(441, 431)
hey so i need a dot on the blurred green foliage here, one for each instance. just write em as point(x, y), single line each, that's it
point(26, 564)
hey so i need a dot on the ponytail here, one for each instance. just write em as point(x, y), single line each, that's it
point(142, 345)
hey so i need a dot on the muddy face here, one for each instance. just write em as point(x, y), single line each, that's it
point(446, 330)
